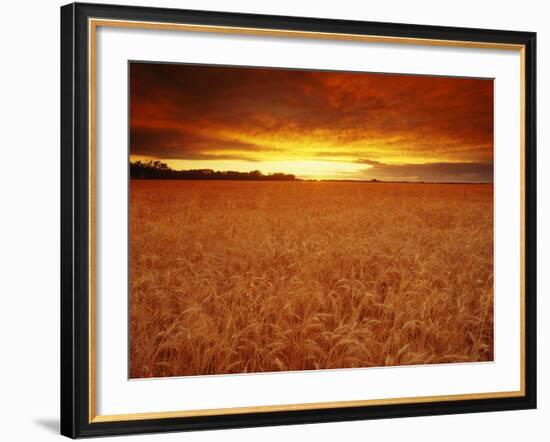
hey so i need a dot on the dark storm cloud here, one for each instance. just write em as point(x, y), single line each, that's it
point(175, 143)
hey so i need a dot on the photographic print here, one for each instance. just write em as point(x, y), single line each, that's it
point(271, 220)
point(285, 220)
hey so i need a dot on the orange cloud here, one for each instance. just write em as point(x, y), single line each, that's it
point(194, 115)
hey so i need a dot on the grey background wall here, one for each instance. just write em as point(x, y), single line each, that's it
point(29, 219)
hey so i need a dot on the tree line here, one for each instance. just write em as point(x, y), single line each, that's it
point(157, 170)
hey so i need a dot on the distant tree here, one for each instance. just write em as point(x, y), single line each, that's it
point(155, 169)
point(255, 174)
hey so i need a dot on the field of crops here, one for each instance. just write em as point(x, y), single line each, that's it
point(233, 276)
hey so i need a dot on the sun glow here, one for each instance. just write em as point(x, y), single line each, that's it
point(304, 169)
point(314, 125)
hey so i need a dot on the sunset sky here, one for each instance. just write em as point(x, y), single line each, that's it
point(314, 124)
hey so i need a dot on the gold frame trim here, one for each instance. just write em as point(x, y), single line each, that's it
point(93, 24)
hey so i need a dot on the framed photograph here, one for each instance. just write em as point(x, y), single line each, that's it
point(274, 220)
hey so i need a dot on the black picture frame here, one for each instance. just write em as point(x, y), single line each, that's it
point(75, 220)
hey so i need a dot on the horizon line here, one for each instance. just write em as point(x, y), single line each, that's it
point(371, 181)
point(153, 164)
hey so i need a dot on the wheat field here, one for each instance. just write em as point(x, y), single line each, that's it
point(237, 277)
